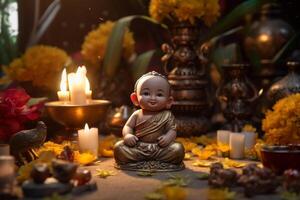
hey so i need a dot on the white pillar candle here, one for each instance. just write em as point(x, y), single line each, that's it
point(77, 86)
point(250, 139)
point(63, 94)
point(222, 138)
point(88, 140)
point(237, 145)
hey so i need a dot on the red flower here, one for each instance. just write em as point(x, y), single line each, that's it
point(14, 113)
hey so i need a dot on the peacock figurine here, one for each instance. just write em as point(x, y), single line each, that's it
point(23, 143)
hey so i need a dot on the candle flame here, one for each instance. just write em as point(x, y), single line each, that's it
point(260, 91)
point(63, 82)
point(86, 127)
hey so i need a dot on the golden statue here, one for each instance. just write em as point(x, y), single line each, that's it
point(150, 132)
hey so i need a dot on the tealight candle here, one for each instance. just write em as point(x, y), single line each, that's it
point(77, 86)
point(63, 94)
point(88, 140)
point(237, 145)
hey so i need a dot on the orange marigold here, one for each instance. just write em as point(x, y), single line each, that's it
point(282, 125)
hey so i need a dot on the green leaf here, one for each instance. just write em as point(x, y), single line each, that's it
point(44, 22)
point(233, 18)
point(203, 176)
point(34, 101)
point(145, 173)
point(289, 196)
point(113, 52)
point(286, 49)
point(177, 180)
point(226, 54)
point(141, 63)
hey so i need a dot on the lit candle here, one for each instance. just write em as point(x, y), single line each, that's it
point(63, 94)
point(88, 140)
point(77, 83)
point(88, 91)
point(222, 138)
point(237, 144)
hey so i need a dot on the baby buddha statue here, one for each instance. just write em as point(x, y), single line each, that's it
point(149, 134)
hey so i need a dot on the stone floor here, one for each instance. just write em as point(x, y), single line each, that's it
point(127, 185)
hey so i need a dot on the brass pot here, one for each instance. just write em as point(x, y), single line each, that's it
point(74, 117)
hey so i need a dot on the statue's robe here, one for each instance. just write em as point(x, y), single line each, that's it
point(147, 148)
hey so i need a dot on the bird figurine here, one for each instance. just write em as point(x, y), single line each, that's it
point(22, 144)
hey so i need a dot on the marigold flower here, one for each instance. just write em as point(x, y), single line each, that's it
point(42, 65)
point(185, 10)
point(95, 42)
point(282, 124)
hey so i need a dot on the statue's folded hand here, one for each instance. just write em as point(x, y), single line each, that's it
point(130, 140)
point(164, 140)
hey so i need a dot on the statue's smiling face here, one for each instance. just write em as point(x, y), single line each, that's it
point(153, 93)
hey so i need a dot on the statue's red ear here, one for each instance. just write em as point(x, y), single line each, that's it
point(134, 99)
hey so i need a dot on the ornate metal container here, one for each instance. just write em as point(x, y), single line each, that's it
point(188, 78)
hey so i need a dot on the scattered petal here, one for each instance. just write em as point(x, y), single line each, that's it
point(104, 173)
point(220, 194)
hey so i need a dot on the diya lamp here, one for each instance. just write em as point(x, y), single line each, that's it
point(76, 107)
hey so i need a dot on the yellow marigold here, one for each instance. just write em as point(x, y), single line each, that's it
point(106, 146)
point(84, 158)
point(185, 10)
point(95, 42)
point(249, 128)
point(42, 65)
point(282, 125)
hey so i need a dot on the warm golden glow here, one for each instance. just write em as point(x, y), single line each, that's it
point(264, 38)
point(260, 91)
point(63, 82)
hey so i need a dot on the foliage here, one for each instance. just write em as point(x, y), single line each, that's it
point(8, 41)
point(145, 173)
point(41, 65)
point(289, 196)
point(282, 125)
point(177, 180)
point(185, 10)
